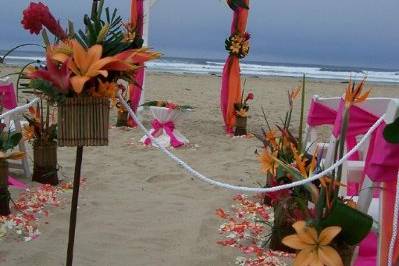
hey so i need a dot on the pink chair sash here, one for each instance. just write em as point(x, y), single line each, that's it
point(16, 184)
point(7, 96)
point(382, 165)
point(320, 114)
point(359, 123)
point(367, 251)
point(169, 127)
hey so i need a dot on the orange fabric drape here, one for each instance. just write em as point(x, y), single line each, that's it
point(231, 81)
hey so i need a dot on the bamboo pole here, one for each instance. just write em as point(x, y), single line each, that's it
point(74, 205)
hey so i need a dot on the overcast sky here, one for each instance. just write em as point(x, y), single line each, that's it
point(335, 32)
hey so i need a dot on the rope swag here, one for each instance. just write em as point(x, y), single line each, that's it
point(238, 44)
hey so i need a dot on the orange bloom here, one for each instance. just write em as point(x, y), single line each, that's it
point(87, 64)
point(353, 93)
point(268, 163)
point(314, 248)
point(105, 89)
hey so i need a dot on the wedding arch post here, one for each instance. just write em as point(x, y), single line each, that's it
point(231, 82)
point(139, 19)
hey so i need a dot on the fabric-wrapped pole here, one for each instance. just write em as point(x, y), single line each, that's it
point(231, 82)
point(137, 22)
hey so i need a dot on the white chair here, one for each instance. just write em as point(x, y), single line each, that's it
point(13, 121)
point(353, 170)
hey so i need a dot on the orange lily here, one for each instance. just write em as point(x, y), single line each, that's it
point(242, 113)
point(314, 248)
point(354, 94)
point(268, 163)
point(87, 64)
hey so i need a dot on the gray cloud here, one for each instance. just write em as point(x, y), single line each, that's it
point(340, 32)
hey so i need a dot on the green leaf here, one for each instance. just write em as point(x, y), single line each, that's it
point(12, 141)
point(354, 223)
point(391, 132)
point(45, 38)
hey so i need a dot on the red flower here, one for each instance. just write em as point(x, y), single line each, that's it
point(37, 15)
point(58, 77)
point(250, 96)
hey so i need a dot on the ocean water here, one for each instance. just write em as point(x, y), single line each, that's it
point(215, 67)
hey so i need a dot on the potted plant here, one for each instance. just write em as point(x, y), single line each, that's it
point(41, 131)
point(82, 70)
point(241, 114)
point(8, 141)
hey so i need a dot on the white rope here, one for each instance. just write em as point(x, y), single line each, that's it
point(394, 225)
point(249, 189)
point(19, 109)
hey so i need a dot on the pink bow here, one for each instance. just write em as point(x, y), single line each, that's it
point(169, 127)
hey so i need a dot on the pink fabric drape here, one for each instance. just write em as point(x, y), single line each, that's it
point(231, 82)
point(137, 20)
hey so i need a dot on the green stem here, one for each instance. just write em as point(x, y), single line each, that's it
point(16, 47)
point(344, 129)
point(302, 114)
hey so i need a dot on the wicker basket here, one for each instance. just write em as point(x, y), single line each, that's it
point(83, 121)
point(122, 118)
point(45, 163)
point(241, 126)
point(4, 193)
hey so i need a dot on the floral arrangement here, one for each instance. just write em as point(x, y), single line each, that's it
point(42, 125)
point(8, 141)
point(88, 62)
point(310, 220)
point(241, 114)
point(242, 107)
point(238, 44)
point(168, 104)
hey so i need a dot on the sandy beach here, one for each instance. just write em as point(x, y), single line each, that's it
point(137, 207)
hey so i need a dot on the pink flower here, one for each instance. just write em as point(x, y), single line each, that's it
point(37, 15)
point(171, 106)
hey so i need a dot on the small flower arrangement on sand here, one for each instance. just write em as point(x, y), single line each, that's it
point(169, 105)
point(310, 220)
point(242, 113)
point(41, 131)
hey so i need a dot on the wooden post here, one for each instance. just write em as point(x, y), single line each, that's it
point(74, 205)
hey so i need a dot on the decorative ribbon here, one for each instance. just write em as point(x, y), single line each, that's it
point(382, 165)
point(231, 82)
point(136, 21)
point(168, 127)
